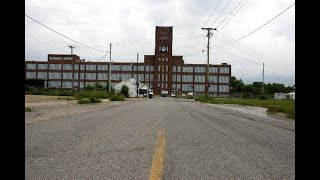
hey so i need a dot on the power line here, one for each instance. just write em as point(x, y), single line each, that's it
point(43, 42)
point(211, 14)
point(231, 12)
point(237, 56)
point(64, 35)
point(103, 56)
point(265, 23)
point(221, 12)
point(239, 49)
point(233, 15)
point(228, 53)
point(252, 50)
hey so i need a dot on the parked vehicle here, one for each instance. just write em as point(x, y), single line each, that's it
point(164, 93)
point(173, 93)
point(150, 93)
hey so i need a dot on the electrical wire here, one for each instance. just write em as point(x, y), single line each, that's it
point(252, 50)
point(221, 12)
point(211, 14)
point(230, 12)
point(263, 24)
point(64, 35)
point(233, 15)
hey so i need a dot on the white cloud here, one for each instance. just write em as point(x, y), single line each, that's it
point(132, 23)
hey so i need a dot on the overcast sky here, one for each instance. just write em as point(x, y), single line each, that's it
point(130, 26)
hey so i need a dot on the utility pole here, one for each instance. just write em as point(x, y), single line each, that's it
point(209, 34)
point(137, 76)
point(72, 67)
point(110, 71)
point(263, 78)
point(176, 81)
point(148, 83)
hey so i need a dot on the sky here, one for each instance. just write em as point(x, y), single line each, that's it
point(130, 26)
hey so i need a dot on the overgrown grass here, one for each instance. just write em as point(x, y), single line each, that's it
point(274, 106)
point(94, 99)
point(91, 94)
point(289, 110)
point(94, 96)
point(117, 97)
point(83, 101)
point(48, 92)
point(27, 109)
point(189, 97)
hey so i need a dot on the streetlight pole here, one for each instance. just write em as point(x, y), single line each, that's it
point(110, 71)
point(263, 78)
point(72, 67)
point(137, 76)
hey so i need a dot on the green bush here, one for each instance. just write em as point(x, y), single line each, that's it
point(88, 94)
point(117, 97)
point(124, 91)
point(48, 92)
point(89, 87)
point(263, 97)
point(27, 109)
point(94, 99)
point(83, 101)
point(246, 96)
point(98, 86)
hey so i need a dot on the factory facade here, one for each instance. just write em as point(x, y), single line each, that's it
point(161, 71)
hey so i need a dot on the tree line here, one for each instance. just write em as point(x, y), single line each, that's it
point(255, 89)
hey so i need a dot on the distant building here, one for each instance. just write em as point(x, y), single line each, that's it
point(163, 70)
point(132, 85)
point(280, 96)
point(292, 95)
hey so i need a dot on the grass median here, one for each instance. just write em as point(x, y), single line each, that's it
point(273, 106)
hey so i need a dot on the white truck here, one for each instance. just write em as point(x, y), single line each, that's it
point(150, 93)
point(164, 93)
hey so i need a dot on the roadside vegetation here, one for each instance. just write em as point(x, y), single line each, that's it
point(90, 94)
point(27, 109)
point(273, 106)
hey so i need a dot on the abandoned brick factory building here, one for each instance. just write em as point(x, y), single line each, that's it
point(163, 70)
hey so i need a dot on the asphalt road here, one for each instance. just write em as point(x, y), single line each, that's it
point(201, 142)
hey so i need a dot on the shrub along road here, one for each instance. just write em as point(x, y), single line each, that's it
point(176, 138)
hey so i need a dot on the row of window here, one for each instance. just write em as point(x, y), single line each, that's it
point(127, 68)
point(89, 76)
point(68, 84)
point(104, 76)
point(90, 67)
point(200, 69)
point(201, 88)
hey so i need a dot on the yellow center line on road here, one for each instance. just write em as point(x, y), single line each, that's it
point(156, 171)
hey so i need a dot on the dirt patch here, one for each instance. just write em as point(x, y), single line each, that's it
point(47, 107)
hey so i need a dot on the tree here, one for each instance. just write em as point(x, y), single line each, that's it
point(89, 87)
point(124, 91)
point(98, 86)
point(236, 85)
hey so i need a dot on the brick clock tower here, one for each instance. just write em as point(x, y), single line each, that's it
point(163, 59)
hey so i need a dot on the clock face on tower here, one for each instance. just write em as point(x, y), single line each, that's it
point(163, 49)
